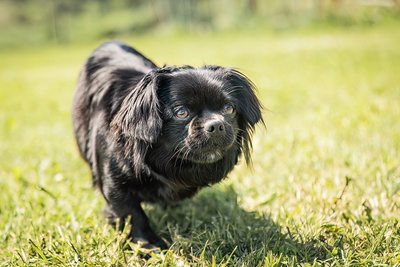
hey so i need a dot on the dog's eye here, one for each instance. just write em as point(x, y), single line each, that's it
point(228, 109)
point(181, 113)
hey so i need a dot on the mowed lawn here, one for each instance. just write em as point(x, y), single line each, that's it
point(325, 183)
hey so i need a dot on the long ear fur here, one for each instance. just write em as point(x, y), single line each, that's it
point(139, 117)
point(249, 108)
point(138, 122)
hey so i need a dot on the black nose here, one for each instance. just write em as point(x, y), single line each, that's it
point(214, 127)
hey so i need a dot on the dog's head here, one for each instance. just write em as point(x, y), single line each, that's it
point(196, 114)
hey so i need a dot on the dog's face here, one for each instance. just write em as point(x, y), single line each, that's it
point(198, 115)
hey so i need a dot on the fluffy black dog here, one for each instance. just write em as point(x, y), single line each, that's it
point(158, 135)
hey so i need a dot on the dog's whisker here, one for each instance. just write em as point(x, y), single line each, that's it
point(239, 144)
point(184, 158)
point(180, 158)
point(177, 151)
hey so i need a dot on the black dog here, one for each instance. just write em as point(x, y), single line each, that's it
point(158, 135)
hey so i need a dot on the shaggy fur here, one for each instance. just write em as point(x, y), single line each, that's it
point(158, 135)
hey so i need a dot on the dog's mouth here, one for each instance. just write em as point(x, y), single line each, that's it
point(205, 157)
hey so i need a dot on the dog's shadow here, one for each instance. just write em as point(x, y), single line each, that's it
point(213, 225)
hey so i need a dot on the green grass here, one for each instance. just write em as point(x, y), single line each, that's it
point(325, 189)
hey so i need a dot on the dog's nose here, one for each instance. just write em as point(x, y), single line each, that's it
point(214, 127)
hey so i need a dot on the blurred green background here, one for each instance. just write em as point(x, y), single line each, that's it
point(28, 22)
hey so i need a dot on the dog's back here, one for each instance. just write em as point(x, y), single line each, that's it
point(119, 55)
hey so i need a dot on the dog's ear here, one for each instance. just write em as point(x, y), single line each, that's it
point(245, 92)
point(248, 105)
point(139, 115)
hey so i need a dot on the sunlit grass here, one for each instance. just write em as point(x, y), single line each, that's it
point(325, 184)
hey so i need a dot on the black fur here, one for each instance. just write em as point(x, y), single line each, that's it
point(126, 120)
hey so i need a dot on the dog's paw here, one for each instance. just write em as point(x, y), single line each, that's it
point(153, 243)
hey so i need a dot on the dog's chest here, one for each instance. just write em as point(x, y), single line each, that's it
point(155, 191)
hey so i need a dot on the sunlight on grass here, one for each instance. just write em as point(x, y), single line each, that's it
point(325, 183)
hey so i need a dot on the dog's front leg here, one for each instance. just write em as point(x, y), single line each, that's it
point(116, 214)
